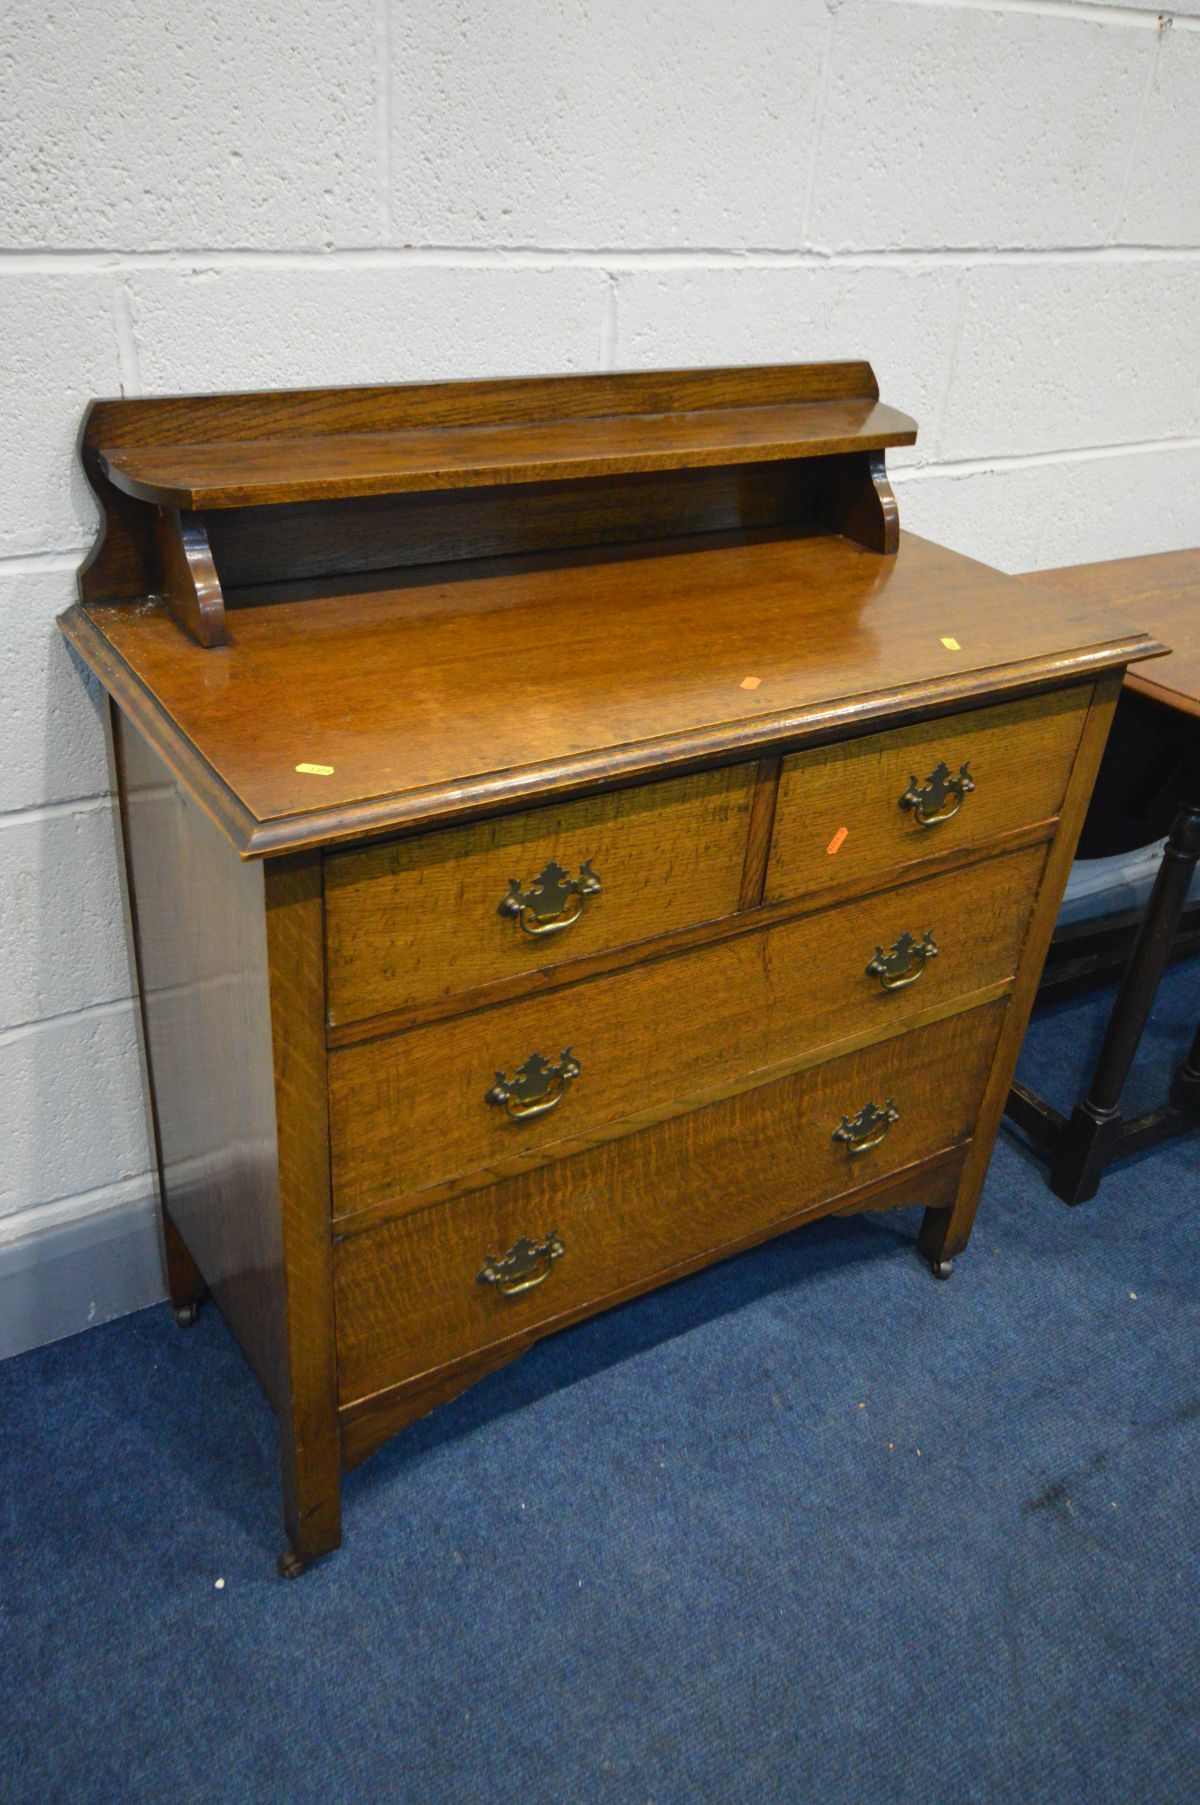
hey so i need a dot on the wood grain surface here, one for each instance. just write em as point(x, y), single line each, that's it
point(342, 424)
point(310, 1456)
point(417, 919)
point(407, 1295)
point(299, 413)
point(199, 916)
point(410, 1111)
point(838, 815)
point(190, 586)
point(602, 666)
point(231, 975)
point(471, 628)
point(367, 1422)
point(357, 532)
point(329, 467)
point(1161, 593)
point(257, 546)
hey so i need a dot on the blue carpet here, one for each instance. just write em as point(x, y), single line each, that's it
point(808, 1526)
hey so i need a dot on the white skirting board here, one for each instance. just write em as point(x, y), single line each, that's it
point(78, 1274)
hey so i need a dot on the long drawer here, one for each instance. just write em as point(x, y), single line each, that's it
point(865, 808)
point(487, 1094)
point(410, 1295)
point(440, 914)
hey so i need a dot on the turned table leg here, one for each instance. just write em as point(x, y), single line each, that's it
point(1185, 1087)
point(1093, 1134)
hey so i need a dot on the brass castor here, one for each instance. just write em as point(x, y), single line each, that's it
point(290, 1564)
point(185, 1314)
point(941, 1269)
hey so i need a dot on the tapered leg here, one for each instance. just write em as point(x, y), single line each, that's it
point(310, 1478)
point(1092, 1135)
point(310, 1443)
point(186, 1288)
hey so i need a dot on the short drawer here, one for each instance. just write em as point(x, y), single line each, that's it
point(409, 1295)
point(482, 1095)
point(414, 920)
point(863, 809)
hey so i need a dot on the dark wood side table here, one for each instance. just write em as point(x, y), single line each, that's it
point(1164, 592)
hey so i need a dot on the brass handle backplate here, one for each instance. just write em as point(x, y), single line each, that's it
point(526, 1264)
point(865, 1130)
point(905, 963)
point(535, 1088)
point(553, 901)
point(940, 797)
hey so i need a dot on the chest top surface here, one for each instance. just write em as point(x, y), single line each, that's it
point(379, 665)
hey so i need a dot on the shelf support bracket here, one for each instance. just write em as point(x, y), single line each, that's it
point(857, 500)
point(190, 586)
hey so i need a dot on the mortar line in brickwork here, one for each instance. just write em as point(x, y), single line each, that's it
point(1021, 460)
point(17, 564)
point(1093, 11)
point(87, 1012)
point(200, 260)
point(51, 811)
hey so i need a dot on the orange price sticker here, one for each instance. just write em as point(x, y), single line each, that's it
point(835, 845)
point(749, 682)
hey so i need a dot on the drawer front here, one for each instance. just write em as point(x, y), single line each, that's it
point(412, 1110)
point(415, 920)
point(862, 810)
point(408, 1297)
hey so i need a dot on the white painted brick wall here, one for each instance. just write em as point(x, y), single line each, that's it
point(143, 125)
point(999, 204)
point(960, 126)
point(52, 746)
point(74, 1118)
point(1090, 353)
point(259, 326)
point(567, 122)
point(900, 316)
point(1162, 198)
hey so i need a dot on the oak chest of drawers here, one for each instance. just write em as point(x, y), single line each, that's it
point(571, 835)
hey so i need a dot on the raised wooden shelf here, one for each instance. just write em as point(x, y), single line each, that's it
point(203, 494)
point(331, 467)
point(664, 565)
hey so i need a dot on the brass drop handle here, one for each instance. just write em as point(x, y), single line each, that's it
point(553, 901)
point(940, 797)
point(905, 963)
point(535, 1088)
point(865, 1130)
point(526, 1264)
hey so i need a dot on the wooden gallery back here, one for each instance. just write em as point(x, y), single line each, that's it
point(572, 834)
